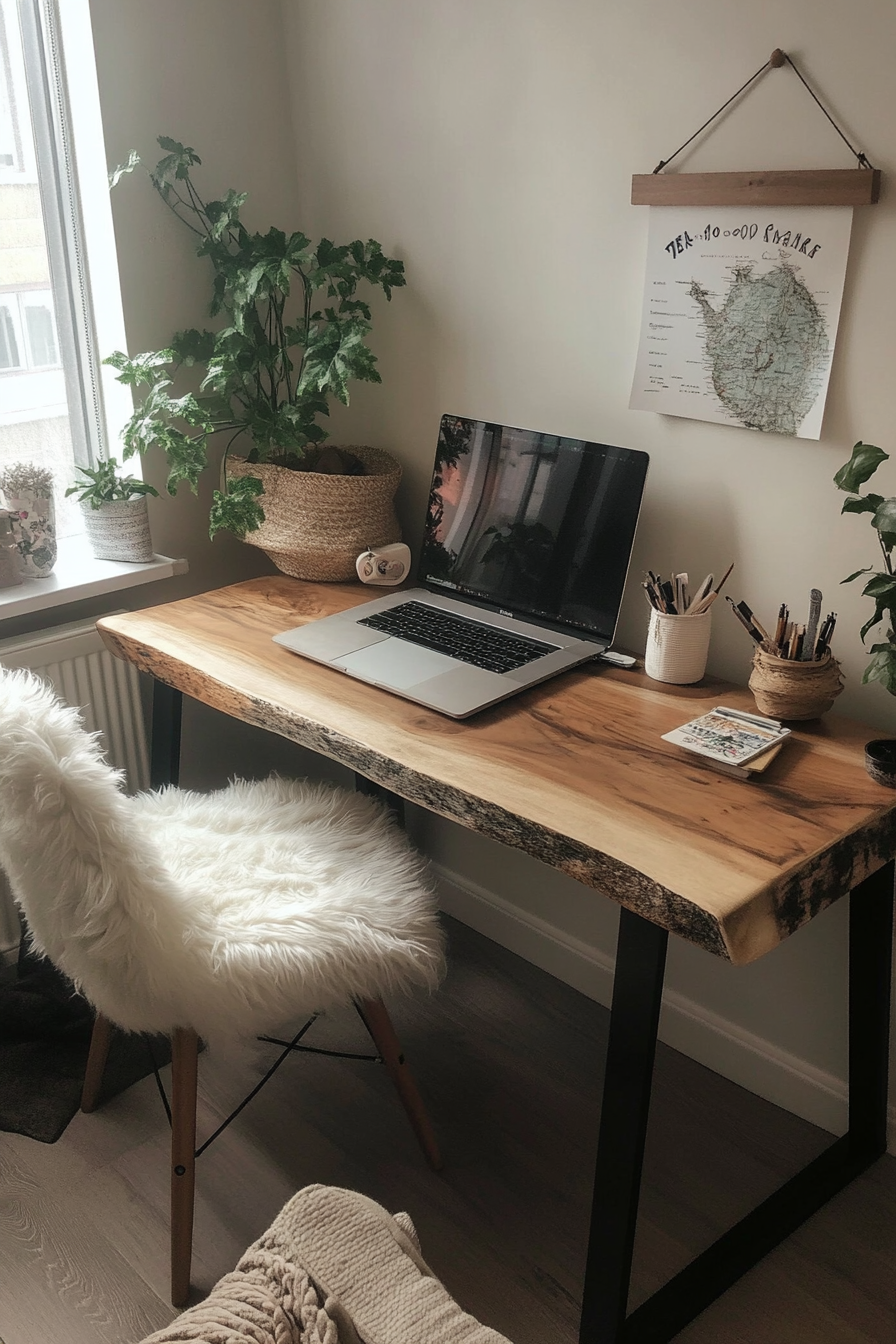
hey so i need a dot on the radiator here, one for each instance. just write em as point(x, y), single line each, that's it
point(74, 660)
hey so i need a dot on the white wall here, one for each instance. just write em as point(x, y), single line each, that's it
point(212, 74)
point(490, 144)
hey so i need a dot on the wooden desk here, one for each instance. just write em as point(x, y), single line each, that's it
point(575, 773)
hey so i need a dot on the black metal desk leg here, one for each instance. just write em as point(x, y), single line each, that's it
point(637, 994)
point(870, 962)
point(164, 747)
point(392, 800)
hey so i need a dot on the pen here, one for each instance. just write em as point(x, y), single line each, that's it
point(800, 640)
point(824, 639)
point(781, 626)
point(747, 625)
point(745, 611)
point(669, 598)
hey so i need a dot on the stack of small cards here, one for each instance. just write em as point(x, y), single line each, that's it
point(735, 742)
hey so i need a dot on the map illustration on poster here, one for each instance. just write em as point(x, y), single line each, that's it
point(740, 315)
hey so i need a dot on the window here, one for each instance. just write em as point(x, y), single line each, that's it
point(60, 306)
point(28, 332)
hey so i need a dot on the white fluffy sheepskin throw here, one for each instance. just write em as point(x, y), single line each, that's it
point(228, 912)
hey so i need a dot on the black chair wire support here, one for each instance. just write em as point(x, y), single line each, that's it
point(289, 1047)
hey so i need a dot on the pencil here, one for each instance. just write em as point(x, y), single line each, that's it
point(721, 583)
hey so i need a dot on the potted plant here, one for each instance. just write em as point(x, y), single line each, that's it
point(294, 333)
point(880, 755)
point(115, 513)
point(28, 496)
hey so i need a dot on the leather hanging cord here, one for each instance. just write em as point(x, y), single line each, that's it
point(775, 61)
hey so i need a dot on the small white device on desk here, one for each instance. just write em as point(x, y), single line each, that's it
point(384, 565)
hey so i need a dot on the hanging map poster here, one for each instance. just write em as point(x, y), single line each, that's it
point(740, 315)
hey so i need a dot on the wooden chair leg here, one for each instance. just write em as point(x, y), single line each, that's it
point(378, 1022)
point(100, 1041)
point(184, 1069)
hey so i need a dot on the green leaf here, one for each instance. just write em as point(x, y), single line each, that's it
point(863, 464)
point(882, 668)
point(866, 570)
point(149, 368)
point(882, 585)
point(193, 346)
point(103, 484)
point(885, 516)
point(862, 504)
point(187, 459)
point(119, 172)
point(179, 160)
point(881, 608)
point(237, 511)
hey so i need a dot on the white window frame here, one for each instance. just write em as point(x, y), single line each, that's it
point(63, 96)
point(59, 61)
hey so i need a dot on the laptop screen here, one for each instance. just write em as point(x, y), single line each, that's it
point(531, 523)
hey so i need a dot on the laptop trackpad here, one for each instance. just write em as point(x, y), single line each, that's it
point(329, 638)
point(396, 663)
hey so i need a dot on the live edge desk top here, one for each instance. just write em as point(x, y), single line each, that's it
point(573, 771)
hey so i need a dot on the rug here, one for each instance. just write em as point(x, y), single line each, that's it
point(44, 1039)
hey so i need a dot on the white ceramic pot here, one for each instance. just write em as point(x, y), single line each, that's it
point(677, 647)
point(119, 530)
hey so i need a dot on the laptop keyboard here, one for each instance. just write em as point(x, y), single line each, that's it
point(470, 641)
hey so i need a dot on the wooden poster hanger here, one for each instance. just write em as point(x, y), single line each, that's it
point(793, 187)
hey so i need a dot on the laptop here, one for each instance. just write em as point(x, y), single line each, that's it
point(526, 546)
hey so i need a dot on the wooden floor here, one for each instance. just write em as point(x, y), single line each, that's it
point(510, 1062)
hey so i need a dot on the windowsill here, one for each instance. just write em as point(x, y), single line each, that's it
point(78, 575)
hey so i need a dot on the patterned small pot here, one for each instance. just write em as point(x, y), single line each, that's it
point(880, 761)
point(34, 528)
point(119, 530)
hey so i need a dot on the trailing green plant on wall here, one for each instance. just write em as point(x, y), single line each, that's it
point(294, 334)
point(881, 587)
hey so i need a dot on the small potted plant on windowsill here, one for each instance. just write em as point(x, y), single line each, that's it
point(27, 492)
point(267, 376)
point(115, 514)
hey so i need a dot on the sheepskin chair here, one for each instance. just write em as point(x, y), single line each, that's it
point(207, 916)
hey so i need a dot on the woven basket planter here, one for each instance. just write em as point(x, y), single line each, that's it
point(119, 530)
point(785, 689)
point(316, 526)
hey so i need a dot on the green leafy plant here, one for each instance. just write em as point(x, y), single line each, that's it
point(862, 465)
point(104, 484)
point(270, 370)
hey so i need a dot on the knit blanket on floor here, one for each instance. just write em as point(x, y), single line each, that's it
point(333, 1268)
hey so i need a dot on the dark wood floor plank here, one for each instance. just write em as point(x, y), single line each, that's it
point(510, 1063)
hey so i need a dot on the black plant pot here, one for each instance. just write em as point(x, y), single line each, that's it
point(880, 761)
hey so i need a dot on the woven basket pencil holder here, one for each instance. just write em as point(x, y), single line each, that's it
point(787, 689)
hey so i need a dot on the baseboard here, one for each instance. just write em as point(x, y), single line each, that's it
point(719, 1044)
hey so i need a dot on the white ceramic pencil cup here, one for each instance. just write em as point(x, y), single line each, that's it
point(677, 647)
